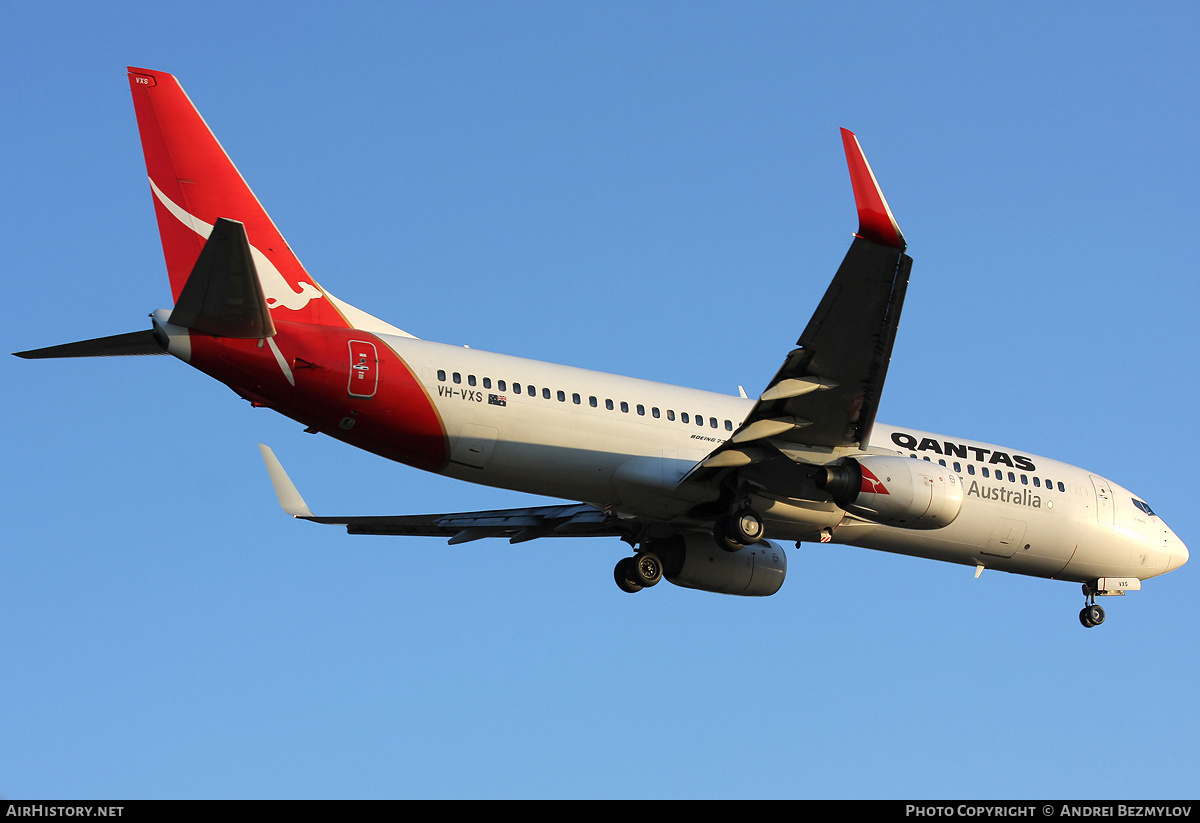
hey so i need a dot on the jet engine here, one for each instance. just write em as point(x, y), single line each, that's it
point(694, 561)
point(895, 491)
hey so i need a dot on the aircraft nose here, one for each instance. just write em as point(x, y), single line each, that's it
point(1179, 555)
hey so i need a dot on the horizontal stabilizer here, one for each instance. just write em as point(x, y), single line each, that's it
point(117, 345)
point(222, 295)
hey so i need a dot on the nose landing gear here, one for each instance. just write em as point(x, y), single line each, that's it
point(1090, 615)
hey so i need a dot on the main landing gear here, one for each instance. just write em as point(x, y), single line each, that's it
point(641, 571)
point(1090, 615)
point(738, 530)
point(732, 533)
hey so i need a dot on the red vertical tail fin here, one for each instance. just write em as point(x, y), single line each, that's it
point(194, 184)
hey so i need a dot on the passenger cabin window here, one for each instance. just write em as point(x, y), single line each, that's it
point(608, 404)
point(624, 407)
point(575, 399)
point(562, 396)
point(670, 414)
point(593, 402)
point(502, 385)
point(546, 394)
point(641, 410)
point(470, 380)
point(683, 417)
point(442, 375)
point(516, 388)
point(487, 382)
point(457, 377)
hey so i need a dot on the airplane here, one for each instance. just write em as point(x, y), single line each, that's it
point(701, 486)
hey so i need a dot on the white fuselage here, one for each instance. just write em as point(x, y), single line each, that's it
point(616, 441)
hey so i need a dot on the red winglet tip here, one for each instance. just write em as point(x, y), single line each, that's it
point(875, 220)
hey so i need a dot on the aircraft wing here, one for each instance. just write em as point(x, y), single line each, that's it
point(827, 391)
point(518, 525)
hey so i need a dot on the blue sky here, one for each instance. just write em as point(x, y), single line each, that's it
point(653, 189)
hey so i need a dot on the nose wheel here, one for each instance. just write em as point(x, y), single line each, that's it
point(1090, 615)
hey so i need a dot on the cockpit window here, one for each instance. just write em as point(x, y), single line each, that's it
point(1143, 507)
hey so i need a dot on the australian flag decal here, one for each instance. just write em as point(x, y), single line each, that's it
point(497, 400)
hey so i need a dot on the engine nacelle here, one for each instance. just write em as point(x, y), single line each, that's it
point(694, 561)
point(895, 491)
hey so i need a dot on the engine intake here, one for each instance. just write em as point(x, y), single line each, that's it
point(895, 491)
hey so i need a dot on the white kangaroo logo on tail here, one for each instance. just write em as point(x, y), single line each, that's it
point(276, 289)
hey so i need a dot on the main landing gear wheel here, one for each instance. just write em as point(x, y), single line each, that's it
point(647, 569)
point(623, 574)
point(735, 532)
point(746, 527)
point(723, 535)
point(639, 572)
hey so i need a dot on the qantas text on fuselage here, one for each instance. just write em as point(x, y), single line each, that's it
point(950, 448)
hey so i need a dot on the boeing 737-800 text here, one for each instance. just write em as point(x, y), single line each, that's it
point(694, 482)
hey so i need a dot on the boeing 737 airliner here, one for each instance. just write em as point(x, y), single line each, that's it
point(694, 482)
